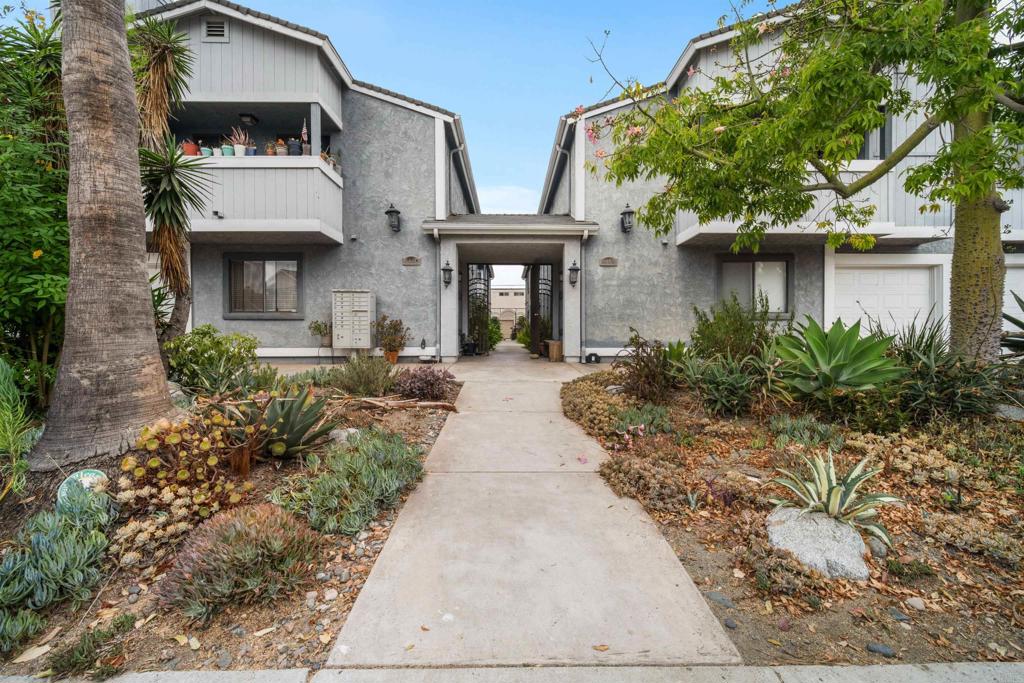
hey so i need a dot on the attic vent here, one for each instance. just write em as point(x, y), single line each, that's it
point(215, 30)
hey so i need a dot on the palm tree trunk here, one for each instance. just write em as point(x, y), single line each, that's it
point(110, 382)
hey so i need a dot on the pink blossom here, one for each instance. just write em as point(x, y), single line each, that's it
point(634, 131)
point(785, 72)
point(579, 110)
point(762, 27)
point(691, 71)
point(600, 154)
point(591, 134)
point(720, 129)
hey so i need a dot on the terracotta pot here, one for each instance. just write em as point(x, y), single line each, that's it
point(190, 149)
point(307, 150)
point(326, 340)
point(282, 151)
point(391, 357)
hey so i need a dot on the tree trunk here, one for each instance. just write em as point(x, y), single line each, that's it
point(110, 382)
point(177, 323)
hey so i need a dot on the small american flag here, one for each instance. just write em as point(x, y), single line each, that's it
point(305, 133)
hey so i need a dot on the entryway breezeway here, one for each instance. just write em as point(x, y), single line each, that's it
point(513, 552)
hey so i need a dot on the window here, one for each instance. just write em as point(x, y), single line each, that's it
point(520, 294)
point(263, 286)
point(502, 293)
point(768, 276)
point(215, 30)
point(878, 143)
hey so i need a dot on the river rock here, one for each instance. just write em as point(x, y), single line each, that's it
point(819, 542)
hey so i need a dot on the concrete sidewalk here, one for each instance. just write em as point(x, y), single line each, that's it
point(513, 551)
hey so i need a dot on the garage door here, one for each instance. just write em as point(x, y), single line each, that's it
point(1014, 283)
point(892, 296)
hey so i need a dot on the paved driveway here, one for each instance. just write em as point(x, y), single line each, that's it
point(513, 551)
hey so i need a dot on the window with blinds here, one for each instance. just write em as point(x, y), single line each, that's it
point(263, 286)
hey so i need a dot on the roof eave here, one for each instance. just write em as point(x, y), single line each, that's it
point(552, 172)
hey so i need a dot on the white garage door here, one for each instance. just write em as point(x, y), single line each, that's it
point(1014, 283)
point(890, 295)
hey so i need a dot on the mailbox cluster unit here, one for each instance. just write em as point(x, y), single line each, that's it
point(353, 311)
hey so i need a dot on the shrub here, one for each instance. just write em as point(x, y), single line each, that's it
point(365, 375)
point(645, 369)
point(425, 382)
point(54, 557)
point(647, 419)
point(725, 386)
point(805, 430)
point(653, 473)
point(973, 535)
point(248, 555)
point(317, 377)
point(494, 333)
point(823, 365)
point(837, 497)
point(353, 483)
point(392, 334)
point(208, 362)
point(731, 329)
point(16, 434)
point(586, 402)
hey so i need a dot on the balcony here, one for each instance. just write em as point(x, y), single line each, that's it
point(270, 200)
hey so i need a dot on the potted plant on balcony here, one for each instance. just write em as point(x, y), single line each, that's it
point(294, 147)
point(322, 329)
point(281, 148)
point(269, 149)
point(227, 149)
point(392, 335)
point(204, 150)
point(189, 148)
point(240, 140)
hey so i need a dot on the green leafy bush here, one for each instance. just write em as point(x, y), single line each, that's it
point(586, 402)
point(365, 375)
point(425, 382)
point(494, 333)
point(318, 377)
point(206, 361)
point(823, 366)
point(837, 496)
point(647, 419)
point(733, 330)
point(805, 430)
point(16, 434)
point(247, 555)
point(55, 556)
point(345, 491)
point(645, 369)
point(724, 385)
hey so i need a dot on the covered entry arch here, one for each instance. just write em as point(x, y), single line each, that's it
point(500, 239)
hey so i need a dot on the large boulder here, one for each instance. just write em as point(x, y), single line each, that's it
point(819, 542)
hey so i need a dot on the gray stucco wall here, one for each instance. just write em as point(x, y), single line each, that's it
point(388, 154)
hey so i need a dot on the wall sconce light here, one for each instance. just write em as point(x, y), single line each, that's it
point(627, 219)
point(423, 344)
point(574, 273)
point(249, 119)
point(394, 218)
point(446, 273)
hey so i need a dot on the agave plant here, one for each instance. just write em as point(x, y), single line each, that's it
point(824, 365)
point(837, 497)
point(291, 420)
point(1013, 342)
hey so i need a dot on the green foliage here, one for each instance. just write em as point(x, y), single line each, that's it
point(726, 386)
point(645, 369)
point(1013, 342)
point(365, 375)
point(392, 334)
point(318, 377)
point(55, 556)
point(248, 555)
point(647, 419)
point(755, 144)
point(676, 351)
point(320, 328)
point(731, 329)
point(908, 572)
point(295, 422)
point(523, 335)
point(425, 382)
point(822, 366)
point(837, 496)
point(208, 362)
point(354, 482)
point(16, 432)
point(80, 656)
point(805, 430)
point(494, 334)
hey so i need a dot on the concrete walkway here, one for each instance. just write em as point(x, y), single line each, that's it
point(513, 551)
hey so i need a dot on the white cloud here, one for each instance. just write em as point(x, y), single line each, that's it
point(508, 199)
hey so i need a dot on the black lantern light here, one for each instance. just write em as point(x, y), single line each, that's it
point(446, 273)
point(394, 218)
point(627, 219)
point(574, 273)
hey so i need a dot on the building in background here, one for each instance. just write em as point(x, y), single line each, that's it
point(508, 304)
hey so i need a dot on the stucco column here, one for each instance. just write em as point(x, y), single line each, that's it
point(449, 301)
point(571, 302)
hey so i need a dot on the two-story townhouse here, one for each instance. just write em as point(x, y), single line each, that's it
point(281, 232)
point(630, 278)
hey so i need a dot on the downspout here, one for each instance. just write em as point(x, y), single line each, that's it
point(583, 300)
point(437, 278)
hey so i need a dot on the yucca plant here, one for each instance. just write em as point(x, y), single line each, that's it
point(824, 365)
point(837, 496)
point(1013, 342)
